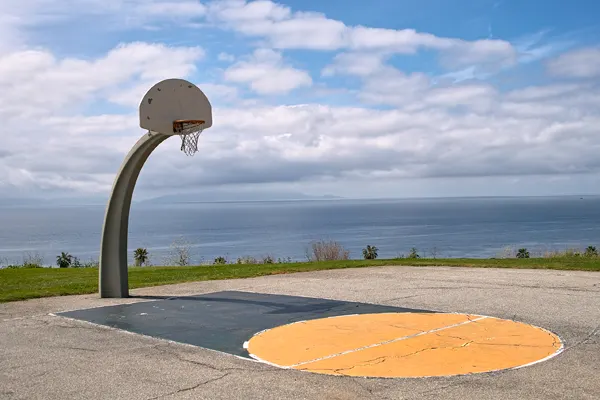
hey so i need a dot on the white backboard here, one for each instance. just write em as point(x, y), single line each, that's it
point(171, 100)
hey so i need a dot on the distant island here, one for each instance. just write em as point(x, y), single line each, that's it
point(233, 196)
point(206, 196)
point(212, 195)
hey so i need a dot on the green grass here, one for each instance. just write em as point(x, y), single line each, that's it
point(21, 284)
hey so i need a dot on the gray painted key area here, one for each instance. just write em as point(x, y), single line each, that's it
point(221, 321)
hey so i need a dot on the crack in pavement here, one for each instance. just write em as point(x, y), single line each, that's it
point(363, 364)
point(476, 320)
point(187, 389)
point(74, 348)
point(387, 342)
point(163, 349)
point(39, 375)
point(500, 285)
point(382, 359)
point(76, 324)
point(450, 336)
point(554, 342)
point(403, 297)
point(594, 331)
point(35, 364)
point(436, 391)
point(406, 327)
point(351, 329)
point(434, 348)
point(553, 345)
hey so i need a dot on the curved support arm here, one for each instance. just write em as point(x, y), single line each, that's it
point(113, 279)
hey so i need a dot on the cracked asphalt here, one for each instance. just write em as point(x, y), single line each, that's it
point(43, 356)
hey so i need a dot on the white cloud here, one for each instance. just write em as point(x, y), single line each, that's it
point(469, 73)
point(281, 27)
point(226, 57)
point(185, 9)
point(399, 41)
point(543, 92)
point(582, 63)
point(35, 81)
point(266, 73)
point(276, 22)
point(12, 38)
point(531, 131)
point(218, 92)
point(392, 87)
point(285, 29)
point(49, 141)
point(476, 97)
point(240, 10)
point(310, 142)
point(530, 47)
point(488, 53)
point(356, 63)
point(103, 15)
point(412, 127)
point(383, 84)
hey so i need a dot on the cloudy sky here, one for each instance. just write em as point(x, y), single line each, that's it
point(386, 98)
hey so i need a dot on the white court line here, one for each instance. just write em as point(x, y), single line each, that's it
point(385, 342)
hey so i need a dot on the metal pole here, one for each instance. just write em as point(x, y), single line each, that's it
point(112, 277)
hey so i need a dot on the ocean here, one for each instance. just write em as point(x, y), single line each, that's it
point(448, 227)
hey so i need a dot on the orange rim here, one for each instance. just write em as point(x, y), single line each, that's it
point(179, 124)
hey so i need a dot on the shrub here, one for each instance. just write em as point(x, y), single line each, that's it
point(413, 253)
point(76, 263)
point(507, 252)
point(370, 252)
point(572, 253)
point(268, 260)
point(327, 251)
point(64, 260)
point(220, 261)
point(522, 253)
point(140, 256)
point(22, 266)
point(31, 266)
point(91, 264)
point(591, 251)
point(246, 260)
point(284, 260)
point(180, 253)
point(34, 260)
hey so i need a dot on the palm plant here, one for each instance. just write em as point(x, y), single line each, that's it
point(370, 252)
point(522, 253)
point(591, 251)
point(64, 260)
point(220, 261)
point(413, 253)
point(140, 256)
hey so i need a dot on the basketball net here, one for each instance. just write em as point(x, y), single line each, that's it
point(189, 131)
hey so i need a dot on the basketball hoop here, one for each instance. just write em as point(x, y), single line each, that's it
point(189, 130)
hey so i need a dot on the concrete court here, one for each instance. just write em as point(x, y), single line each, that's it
point(49, 357)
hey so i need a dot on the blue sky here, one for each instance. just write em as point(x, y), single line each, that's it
point(393, 99)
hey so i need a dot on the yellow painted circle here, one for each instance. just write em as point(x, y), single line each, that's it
point(398, 345)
